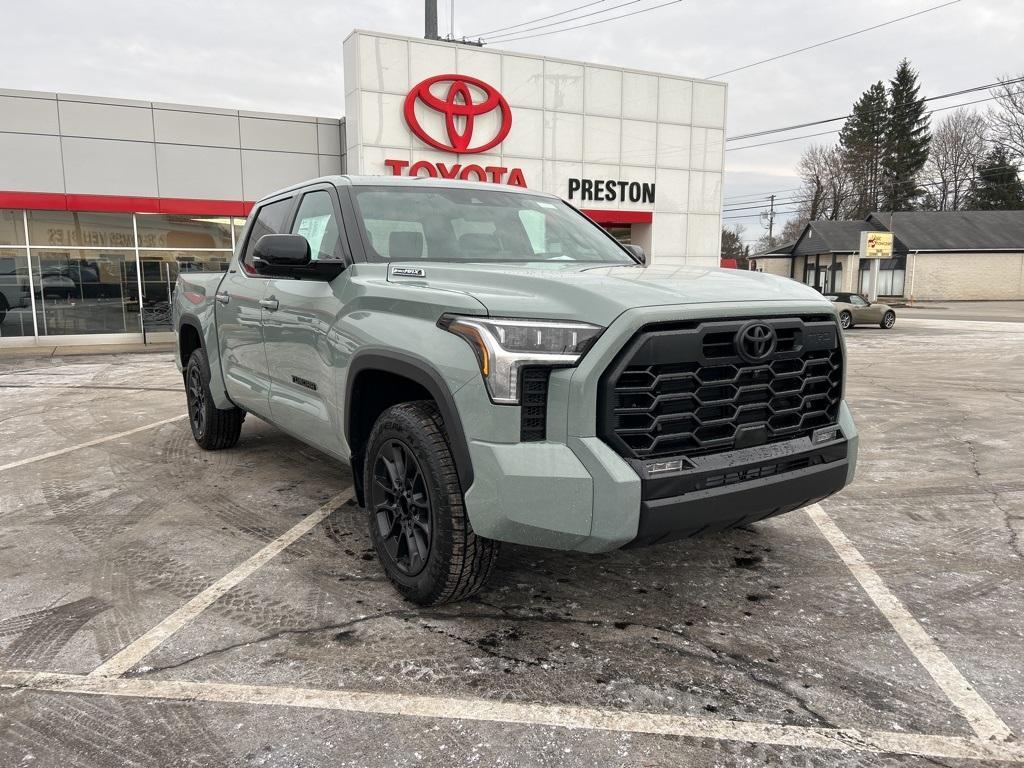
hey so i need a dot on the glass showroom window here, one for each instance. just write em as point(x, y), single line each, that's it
point(80, 291)
point(84, 276)
point(172, 244)
point(81, 272)
point(15, 290)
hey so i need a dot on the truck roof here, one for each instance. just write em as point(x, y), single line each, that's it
point(403, 181)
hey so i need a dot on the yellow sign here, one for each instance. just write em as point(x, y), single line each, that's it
point(878, 245)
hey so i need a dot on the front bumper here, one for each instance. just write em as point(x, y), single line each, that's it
point(583, 496)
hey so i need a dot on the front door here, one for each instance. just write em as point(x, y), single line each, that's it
point(861, 309)
point(240, 315)
point(300, 314)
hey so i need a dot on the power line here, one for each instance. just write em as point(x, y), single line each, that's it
point(591, 23)
point(496, 38)
point(833, 40)
point(760, 194)
point(813, 123)
point(542, 18)
point(837, 130)
point(798, 202)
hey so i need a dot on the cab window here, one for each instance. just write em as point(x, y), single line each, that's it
point(858, 301)
point(317, 222)
point(269, 221)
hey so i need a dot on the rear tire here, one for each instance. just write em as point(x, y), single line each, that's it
point(213, 428)
point(846, 319)
point(415, 510)
point(3, 307)
point(888, 320)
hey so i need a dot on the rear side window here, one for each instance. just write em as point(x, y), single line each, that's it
point(269, 221)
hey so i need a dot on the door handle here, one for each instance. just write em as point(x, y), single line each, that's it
point(223, 297)
point(269, 304)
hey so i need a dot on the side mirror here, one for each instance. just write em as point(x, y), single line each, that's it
point(280, 251)
point(638, 253)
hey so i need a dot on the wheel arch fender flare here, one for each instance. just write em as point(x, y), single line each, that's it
point(422, 372)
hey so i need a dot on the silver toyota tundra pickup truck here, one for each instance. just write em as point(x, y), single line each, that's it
point(496, 367)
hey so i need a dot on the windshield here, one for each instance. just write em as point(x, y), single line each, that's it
point(453, 224)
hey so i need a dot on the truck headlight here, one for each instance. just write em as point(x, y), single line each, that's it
point(504, 346)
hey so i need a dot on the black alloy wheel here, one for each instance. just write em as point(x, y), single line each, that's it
point(415, 511)
point(195, 391)
point(213, 428)
point(401, 505)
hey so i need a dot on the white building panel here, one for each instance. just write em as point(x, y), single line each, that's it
point(177, 126)
point(106, 167)
point(106, 121)
point(278, 135)
point(211, 173)
point(266, 172)
point(28, 115)
point(655, 139)
point(31, 163)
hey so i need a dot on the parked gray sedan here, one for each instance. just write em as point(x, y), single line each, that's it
point(854, 308)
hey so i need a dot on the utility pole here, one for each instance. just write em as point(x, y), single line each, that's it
point(430, 20)
point(768, 218)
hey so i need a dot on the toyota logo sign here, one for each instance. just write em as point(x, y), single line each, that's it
point(756, 341)
point(466, 99)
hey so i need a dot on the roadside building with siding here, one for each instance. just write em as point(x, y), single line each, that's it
point(937, 256)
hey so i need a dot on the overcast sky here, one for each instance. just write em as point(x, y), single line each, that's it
point(280, 56)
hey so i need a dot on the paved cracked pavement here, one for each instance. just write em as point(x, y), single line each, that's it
point(763, 625)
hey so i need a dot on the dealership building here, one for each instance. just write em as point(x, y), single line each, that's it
point(104, 201)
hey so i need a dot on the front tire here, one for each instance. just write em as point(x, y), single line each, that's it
point(415, 509)
point(3, 308)
point(213, 428)
point(846, 319)
point(888, 320)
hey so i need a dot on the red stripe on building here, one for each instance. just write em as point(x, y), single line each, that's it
point(619, 217)
point(52, 201)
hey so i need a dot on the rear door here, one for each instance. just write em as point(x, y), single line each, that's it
point(240, 315)
point(297, 323)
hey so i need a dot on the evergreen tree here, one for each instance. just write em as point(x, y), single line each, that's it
point(907, 140)
point(998, 186)
point(862, 142)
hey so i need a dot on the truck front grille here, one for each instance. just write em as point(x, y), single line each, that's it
point(683, 390)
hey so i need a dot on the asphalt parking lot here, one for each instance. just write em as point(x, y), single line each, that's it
point(164, 606)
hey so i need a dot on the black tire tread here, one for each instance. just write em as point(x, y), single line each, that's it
point(223, 425)
point(472, 557)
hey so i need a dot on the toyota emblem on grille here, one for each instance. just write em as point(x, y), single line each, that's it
point(756, 341)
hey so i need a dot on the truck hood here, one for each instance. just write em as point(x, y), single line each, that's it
point(598, 294)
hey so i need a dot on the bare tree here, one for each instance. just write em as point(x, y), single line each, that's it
point(1007, 121)
point(958, 146)
point(827, 189)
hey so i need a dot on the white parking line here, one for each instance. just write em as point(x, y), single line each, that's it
point(982, 718)
point(147, 643)
point(551, 715)
point(97, 441)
